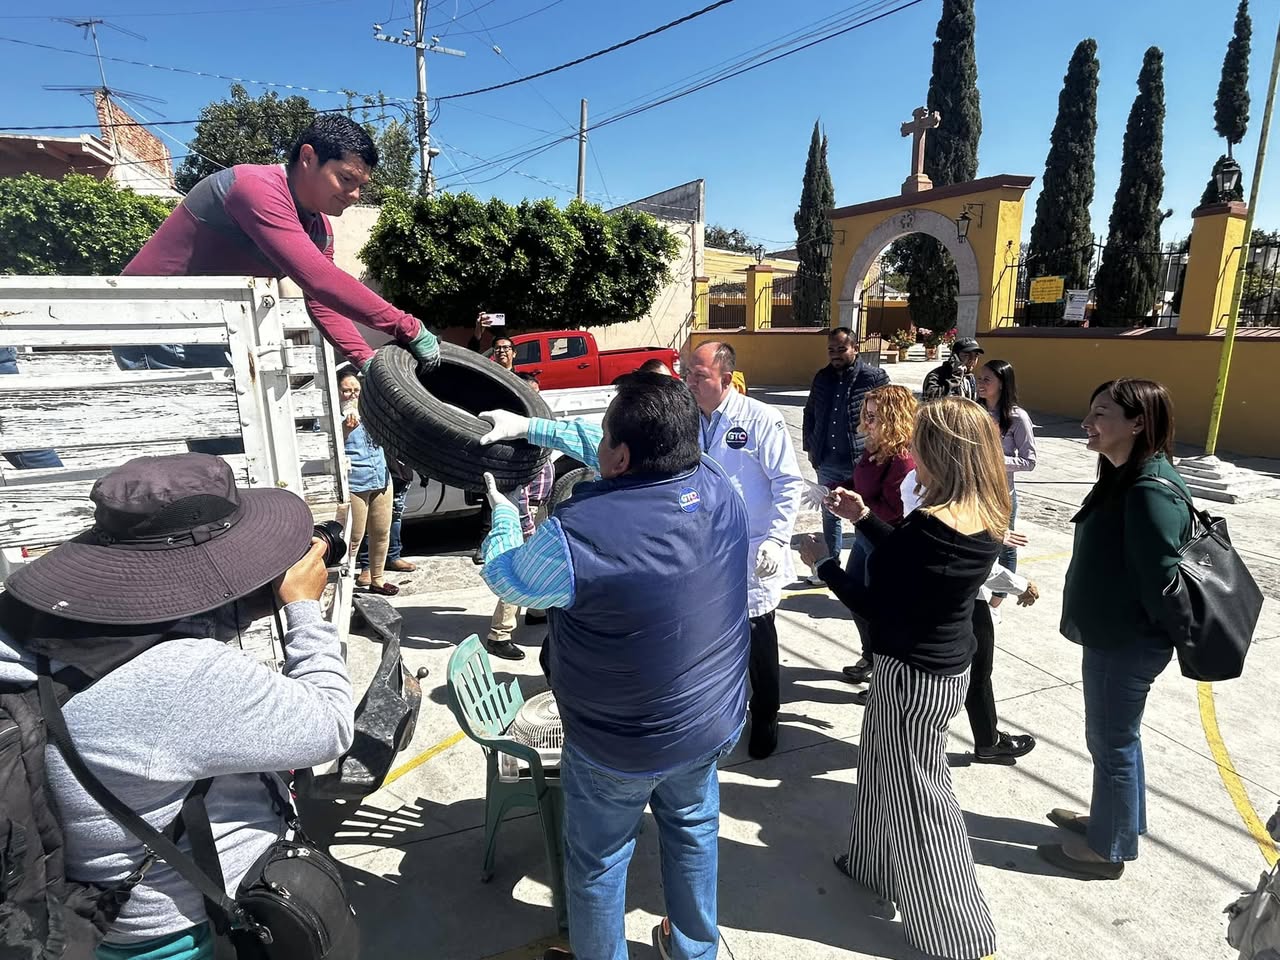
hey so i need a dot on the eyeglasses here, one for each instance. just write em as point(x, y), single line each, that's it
point(503, 349)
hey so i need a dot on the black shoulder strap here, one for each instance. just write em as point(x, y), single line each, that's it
point(153, 840)
point(1196, 513)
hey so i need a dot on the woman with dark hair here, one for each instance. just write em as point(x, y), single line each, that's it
point(1128, 535)
point(998, 392)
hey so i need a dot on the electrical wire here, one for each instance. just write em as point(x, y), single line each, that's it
point(196, 73)
point(599, 53)
point(520, 156)
point(179, 13)
point(499, 26)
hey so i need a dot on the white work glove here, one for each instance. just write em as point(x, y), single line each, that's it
point(497, 500)
point(506, 426)
point(768, 558)
point(814, 496)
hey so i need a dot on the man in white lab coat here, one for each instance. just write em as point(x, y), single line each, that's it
point(749, 439)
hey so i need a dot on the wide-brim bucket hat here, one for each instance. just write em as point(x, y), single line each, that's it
point(172, 537)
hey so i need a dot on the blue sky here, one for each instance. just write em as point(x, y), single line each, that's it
point(747, 137)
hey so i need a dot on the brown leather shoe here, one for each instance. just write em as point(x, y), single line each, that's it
point(363, 579)
point(401, 566)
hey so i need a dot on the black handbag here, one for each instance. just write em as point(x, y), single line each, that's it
point(291, 904)
point(1213, 603)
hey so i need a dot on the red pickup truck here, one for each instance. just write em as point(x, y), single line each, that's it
point(570, 358)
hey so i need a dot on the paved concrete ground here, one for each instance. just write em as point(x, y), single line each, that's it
point(413, 849)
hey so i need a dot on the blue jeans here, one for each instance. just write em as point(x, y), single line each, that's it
point(182, 356)
point(602, 812)
point(1009, 555)
point(1116, 683)
point(832, 529)
point(393, 548)
point(25, 459)
point(857, 568)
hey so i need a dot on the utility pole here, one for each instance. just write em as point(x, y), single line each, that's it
point(582, 152)
point(417, 39)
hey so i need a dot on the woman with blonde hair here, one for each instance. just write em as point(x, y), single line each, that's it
point(908, 841)
point(887, 420)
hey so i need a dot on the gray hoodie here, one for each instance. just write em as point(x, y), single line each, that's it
point(181, 711)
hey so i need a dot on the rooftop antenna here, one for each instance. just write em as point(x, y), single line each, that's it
point(90, 27)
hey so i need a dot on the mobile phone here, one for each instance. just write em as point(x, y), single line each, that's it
point(493, 319)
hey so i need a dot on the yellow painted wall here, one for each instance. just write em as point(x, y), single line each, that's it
point(772, 357)
point(994, 243)
point(726, 265)
point(1056, 374)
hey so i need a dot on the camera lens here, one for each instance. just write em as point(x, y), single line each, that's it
point(335, 547)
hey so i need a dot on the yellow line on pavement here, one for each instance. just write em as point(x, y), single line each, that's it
point(1046, 556)
point(1230, 779)
point(423, 757)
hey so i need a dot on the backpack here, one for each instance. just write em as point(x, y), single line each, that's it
point(44, 914)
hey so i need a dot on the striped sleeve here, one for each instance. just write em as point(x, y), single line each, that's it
point(576, 438)
point(537, 573)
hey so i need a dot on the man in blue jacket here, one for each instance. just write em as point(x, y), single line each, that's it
point(644, 577)
point(831, 415)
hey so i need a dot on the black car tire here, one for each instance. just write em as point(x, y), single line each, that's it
point(563, 488)
point(431, 423)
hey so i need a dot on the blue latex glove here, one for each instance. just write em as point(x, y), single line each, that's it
point(426, 349)
point(364, 368)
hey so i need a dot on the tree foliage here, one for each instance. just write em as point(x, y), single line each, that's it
point(951, 151)
point(78, 225)
point(1126, 280)
point(950, 156)
point(446, 257)
point(1231, 108)
point(812, 298)
point(1211, 193)
point(245, 129)
point(722, 238)
point(1062, 236)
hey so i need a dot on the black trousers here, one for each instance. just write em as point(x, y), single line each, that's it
point(980, 703)
point(766, 682)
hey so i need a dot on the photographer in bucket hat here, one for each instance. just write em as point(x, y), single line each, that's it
point(139, 609)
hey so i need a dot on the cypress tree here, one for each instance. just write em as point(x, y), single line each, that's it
point(1125, 287)
point(951, 151)
point(1062, 236)
point(812, 297)
point(1231, 109)
point(950, 156)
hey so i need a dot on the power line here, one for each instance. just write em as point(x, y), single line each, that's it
point(197, 73)
point(592, 56)
point(499, 26)
point(186, 13)
point(523, 155)
point(179, 123)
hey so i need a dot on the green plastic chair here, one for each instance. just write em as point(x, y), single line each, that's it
point(485, 710)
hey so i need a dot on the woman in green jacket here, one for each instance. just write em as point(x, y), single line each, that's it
point(1128, 533)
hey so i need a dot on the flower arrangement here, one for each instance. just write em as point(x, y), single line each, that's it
point(931, 338)
point(903, 339)
point(950, 336)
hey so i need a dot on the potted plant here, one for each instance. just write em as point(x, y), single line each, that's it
point(931, 340)
point(902, 341)
point(949, 337)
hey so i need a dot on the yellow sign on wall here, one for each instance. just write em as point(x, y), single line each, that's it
point(1047, 289)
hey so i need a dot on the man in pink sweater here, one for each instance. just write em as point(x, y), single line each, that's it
point(273, 221)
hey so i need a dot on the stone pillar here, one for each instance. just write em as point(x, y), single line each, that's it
point(701, 301)
point(759, 296)
point(849, 314)
point(1216, 233)
point(967, 315)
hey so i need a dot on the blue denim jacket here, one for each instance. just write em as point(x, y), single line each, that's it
point(368, 464)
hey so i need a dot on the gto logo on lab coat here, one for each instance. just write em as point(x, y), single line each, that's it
point(735, 439)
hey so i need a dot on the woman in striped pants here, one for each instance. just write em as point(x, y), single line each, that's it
point(908, 841)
